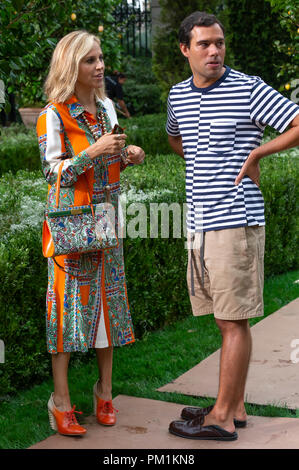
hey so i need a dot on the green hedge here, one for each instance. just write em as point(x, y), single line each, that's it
point(141, 90)
point(19, 146)
point(279, 183)
point(148, 132)
point(19, 150)
point(155, 268)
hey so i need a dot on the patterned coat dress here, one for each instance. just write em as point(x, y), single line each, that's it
point(89, 310)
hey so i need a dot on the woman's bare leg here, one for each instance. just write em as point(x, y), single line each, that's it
point(60, 363)
point(105, 359)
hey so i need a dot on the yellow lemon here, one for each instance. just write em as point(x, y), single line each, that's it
point(73, 16)
point(120, 36)
point(289, 12)
point(101, 28)
point(287, 86)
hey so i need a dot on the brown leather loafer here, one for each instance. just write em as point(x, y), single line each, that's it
point(191, 412)
point(194, 430)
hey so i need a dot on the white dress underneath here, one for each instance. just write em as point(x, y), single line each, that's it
point(101, 340)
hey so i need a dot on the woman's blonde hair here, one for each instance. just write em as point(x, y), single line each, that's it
point(63, 74)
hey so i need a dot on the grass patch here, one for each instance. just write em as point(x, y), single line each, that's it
point(138, 370)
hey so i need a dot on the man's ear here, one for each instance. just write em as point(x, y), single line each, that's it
point(184, 49)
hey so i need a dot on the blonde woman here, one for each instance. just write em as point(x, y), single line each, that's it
point(86, 308)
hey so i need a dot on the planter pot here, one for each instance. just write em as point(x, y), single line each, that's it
point(29, 115)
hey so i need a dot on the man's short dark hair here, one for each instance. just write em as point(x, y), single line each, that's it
point(198, 18)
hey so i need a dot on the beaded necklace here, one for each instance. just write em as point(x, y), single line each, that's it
point(101, 122)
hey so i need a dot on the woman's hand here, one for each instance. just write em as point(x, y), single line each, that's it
point(135, 155)
point(108, 144)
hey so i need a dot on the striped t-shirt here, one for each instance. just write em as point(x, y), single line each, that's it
point(220, 125)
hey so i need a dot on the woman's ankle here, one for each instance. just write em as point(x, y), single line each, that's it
point(104, 391)
point(62, 402)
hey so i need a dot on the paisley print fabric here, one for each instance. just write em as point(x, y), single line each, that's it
point(91, 280)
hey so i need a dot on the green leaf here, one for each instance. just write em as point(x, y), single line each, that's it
point(14, 66)
point(18, 4)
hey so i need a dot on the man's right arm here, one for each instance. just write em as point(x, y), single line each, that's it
point(175, 143)
point(122, 105)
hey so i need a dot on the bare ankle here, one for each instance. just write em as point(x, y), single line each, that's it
point(104, 391)
point(62, 402)
point(221, 418)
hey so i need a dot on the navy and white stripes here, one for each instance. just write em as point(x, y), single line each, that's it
point(220, 125)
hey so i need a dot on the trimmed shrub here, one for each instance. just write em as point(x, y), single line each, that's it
point(141, 90)
point(148, 132)
point(280, 189)
point(19, 150)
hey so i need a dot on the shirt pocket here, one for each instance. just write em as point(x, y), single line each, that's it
point(222, 135)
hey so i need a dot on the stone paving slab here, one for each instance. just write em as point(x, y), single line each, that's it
point(143, 424)
point(272, 378)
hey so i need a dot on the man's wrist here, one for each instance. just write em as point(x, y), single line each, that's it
point(256, 154)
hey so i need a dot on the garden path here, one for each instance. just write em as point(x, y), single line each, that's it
point(273, 378)
point(147, 428)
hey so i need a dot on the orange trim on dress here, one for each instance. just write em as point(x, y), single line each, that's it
point(114, 172)
point(59, 283)
point(84, 292)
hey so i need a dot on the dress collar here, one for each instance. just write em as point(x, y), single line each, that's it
point(76, 108)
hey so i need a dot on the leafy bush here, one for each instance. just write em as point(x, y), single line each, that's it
point(22, 311)
point(141, 90)
point(256, 20)
point(30, 31)
point(288, 14)
point(148, 132)
point(19, 150)
point(281, 194)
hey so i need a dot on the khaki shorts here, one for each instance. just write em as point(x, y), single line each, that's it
point(233, 267)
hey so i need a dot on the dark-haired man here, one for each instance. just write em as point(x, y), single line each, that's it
point(216, 120)
point(113, 84)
